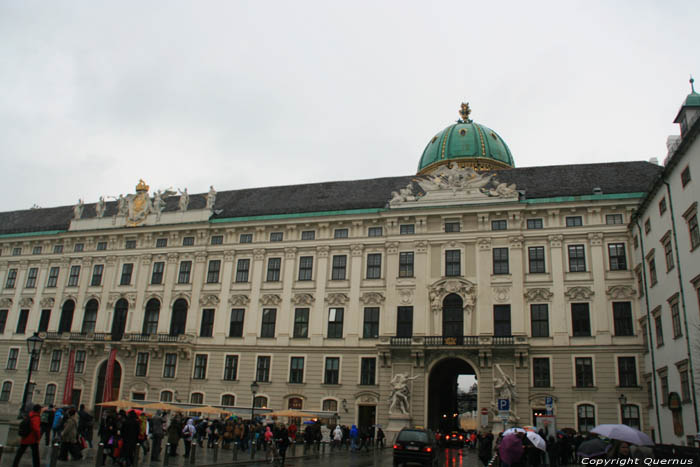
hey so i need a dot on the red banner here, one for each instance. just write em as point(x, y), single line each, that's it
point(109, 374)
point(68, 388)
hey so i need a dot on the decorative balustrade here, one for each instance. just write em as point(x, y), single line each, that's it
point(107, 337)
point(440, 341)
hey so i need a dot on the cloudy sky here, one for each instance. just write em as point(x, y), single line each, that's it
point(95, 95)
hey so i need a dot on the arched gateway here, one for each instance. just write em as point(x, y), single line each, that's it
point(443, 399)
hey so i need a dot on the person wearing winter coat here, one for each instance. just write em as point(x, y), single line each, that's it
point(188, 434)
point(337, 437)
point(157, 433)
point(131, 428)
point(57, 425)
point(69, 438)
point(354, 438)
point(47, 422)
point(31, 441)
point(174, 434)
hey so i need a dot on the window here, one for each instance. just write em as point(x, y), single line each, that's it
point(262, 370)
point(335, 323)
point(501, 320)
point(622, 317)
point(500, 261)
point(242, 268)
point(577, 258)
point(630, 416)
point(66, 321)
point(685, 384)
point(101, 246)
point(12, 357)
point(141, 363)
point(685, 176)
point(79, 247)
point(662, 206)
point(200, 366)
point(90, 316)
point(540, 373)
point(452, 226)
point(406, 264)
point(130, 244)
point(55, 364)
point(370, 327)
point(169, 365)
point(6, 391)
point(330, 405)
point(374, 266)
point(236, 323)
point(539, 316)
point(584, 372)
point(296, 370)
point(31, 278)
point(613, 219)
point(647, 226)
point(50, 395)
point(213, 271)
point(207, 327)
point(161, 242)
point(11, 278)
point(332, 370)
point(534, 224)
point(627, 372)
point(306, 264)
point(217, 239)
point(80, 358)
point(586, 418)
point(652, 270)
point(635, 241)
point(500, 224)
point(375, 232)
point(150, 321)
point(535, 256)
point(668, 253)
point(157, 274)
point(676, 319)
point(44, 320)
point(166, 396)
point(308, 235)
point(640, 283)
point(197, 398)
point(245, 238)
point(664, 387)
point(340, 233)
point(407, 229)
point(22, 321)
point(368, 369)
point(693, 230)
point(188, 241)
point(184, 275)
point(74, 276)
point(616, 254)
point(3, 320)
point(36, 250)
point(58, 249)
point(453, 263)
point(659, 330)
point(268, 322)
point(228, 400)
point(339, 267)
point(574, 221)
point(231, 368)
point(53, 277)
point(404, 321)
point(273, 269)
point(17, 251)
point(97, 271)
point(127, 269)
point(301, 323)
point(580, 320)
point(260, 402)
point(276, 236)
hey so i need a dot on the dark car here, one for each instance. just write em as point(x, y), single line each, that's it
point(415, 446)
point(455, 439)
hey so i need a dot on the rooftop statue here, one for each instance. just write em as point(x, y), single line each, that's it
point(78, 209)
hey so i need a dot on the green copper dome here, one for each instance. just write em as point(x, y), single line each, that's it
point(468, 144)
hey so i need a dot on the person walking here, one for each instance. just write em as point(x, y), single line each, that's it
point(31, 440)
point(157, 433)
point(69, 437)
point(47, 422)
point(188, 434)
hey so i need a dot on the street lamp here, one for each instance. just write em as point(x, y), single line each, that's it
point(623, 403)
point(254, 390)
point(34, 344)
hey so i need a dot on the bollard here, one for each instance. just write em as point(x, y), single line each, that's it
point(323, 448)
point(54, 455)
point(2, 448)
point(166, 456)
point(99, 457)
point(216, 451)
point(252, 449)
point(234, 448)
point(193, 450)
point(294, 448)
point(137, 454)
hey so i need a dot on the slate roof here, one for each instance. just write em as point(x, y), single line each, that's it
point(537, 182)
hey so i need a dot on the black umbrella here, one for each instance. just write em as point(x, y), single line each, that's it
point(593, 448)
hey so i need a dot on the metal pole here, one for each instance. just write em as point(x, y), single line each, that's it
point(252, 448)
point(137, 454)
point(193, 449)
point(234, 448)
point(166, 457)
point(216, 451)
point(99, 457)
point(54, 455)
point(1, 449)
point(26, 386)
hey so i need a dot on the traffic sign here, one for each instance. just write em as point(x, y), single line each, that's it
point(549, 404)
point(504, 405)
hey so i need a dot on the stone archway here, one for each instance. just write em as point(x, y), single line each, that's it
point(442, 403)
point(101, 377)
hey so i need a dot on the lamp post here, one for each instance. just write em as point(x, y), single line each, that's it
point(34, 344)
point(623, 403)
point(254, 390)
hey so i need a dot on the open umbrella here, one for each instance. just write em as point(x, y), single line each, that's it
point(595, 447)
point(289, 413)
point(208, 409)
point(514, 430)
point(121, 404)
point(623, 433)
point(511, 449)
point(536, 440)
point(161, 406)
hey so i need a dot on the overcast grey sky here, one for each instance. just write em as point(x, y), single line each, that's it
point(95, 95)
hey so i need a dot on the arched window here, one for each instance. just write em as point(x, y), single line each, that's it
point(260, 402)
point(453, 316)
point(6, 391)
point(197, 398)
point(630, 416)
point(150, 320)
point(66, 321)
point(50, 395)
point(295, 403)
point(179, 318)
point(166, 396)
point(119, 321)
point(228, 400)
point(330, 405)
point(90, 317)
point(586, 418)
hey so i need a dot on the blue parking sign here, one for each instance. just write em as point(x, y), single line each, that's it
point(504, 404)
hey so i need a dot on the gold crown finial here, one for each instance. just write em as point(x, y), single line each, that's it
point(464, 112)
point(142, 186)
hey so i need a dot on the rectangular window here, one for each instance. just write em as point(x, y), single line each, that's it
point(499, 224)
point(404, 321)
point(11, 278)
point(340, 233)
point(57, 249)
point(276, 236)
point(101, 246)
point(622, 317)
point(141, 363)
point(647, 226)
point(534, 224)
point(335, 323)
point(685, 384)
point(273, 269)
point(262, 370)
point(301, 323)
point(200, 366)
point(613, 219)
point(161, 242)
point(535, 256)
point(374, 266)
point(306, 266)
point(55, 364)
point(584, 372)
point(577, 258)
point(12, 357)
point(130, 244)
point(501, 320)
point(3, 321)
point(664, 389)
point(659, 330)
point(652, 271)
point(668, 254)
point(693, 231)
point(540, 373)
point(80, 358)
point(6, 391)
point(375, 232)
point(662, 206)
point(213, 271)
point(617, 257)
point(452, 226)
point(339, 267)
point(308, 235)
point(500, 261)
point(187, 241)
point(207, 327)
point(406, 264)
point(370, 327)
point(368, 370)
point(22, 321)
point(31, 278)
point(268, 322)
point(245, 238)
point(17, 251)
point(685, 176)
point(574, 221)
point(580, 319)
point(407, 229)
point(169, 365)
point(627, 372)
point(676, 320)
point(157, 274)
point(331, 373)
point(44, 320)
point(242, 268)
point(79, 247)
point(217, 239)
point(97, 271)
point(36, 250)
point(53, 277)
point(296, 370)
point(236, 323)
point(184, 275)
point(453, 263)
point(127, 269)
point(539, 316)
point(231, 368)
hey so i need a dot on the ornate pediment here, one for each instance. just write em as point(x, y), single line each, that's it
point(372, 298)
point(620, 291)
point(337, 299)
point(300, 299)
point(270, 299)
point(579, 293)
point(538, 294)
point(209, 300)
point(5, 302)
point(442, 288)
point(115, 297)
point(47, 302)
point(238, 300)
point(26, 302)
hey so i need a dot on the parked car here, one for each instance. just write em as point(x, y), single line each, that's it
point(415, 446)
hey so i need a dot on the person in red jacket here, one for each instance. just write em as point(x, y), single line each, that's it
point(32, 439)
